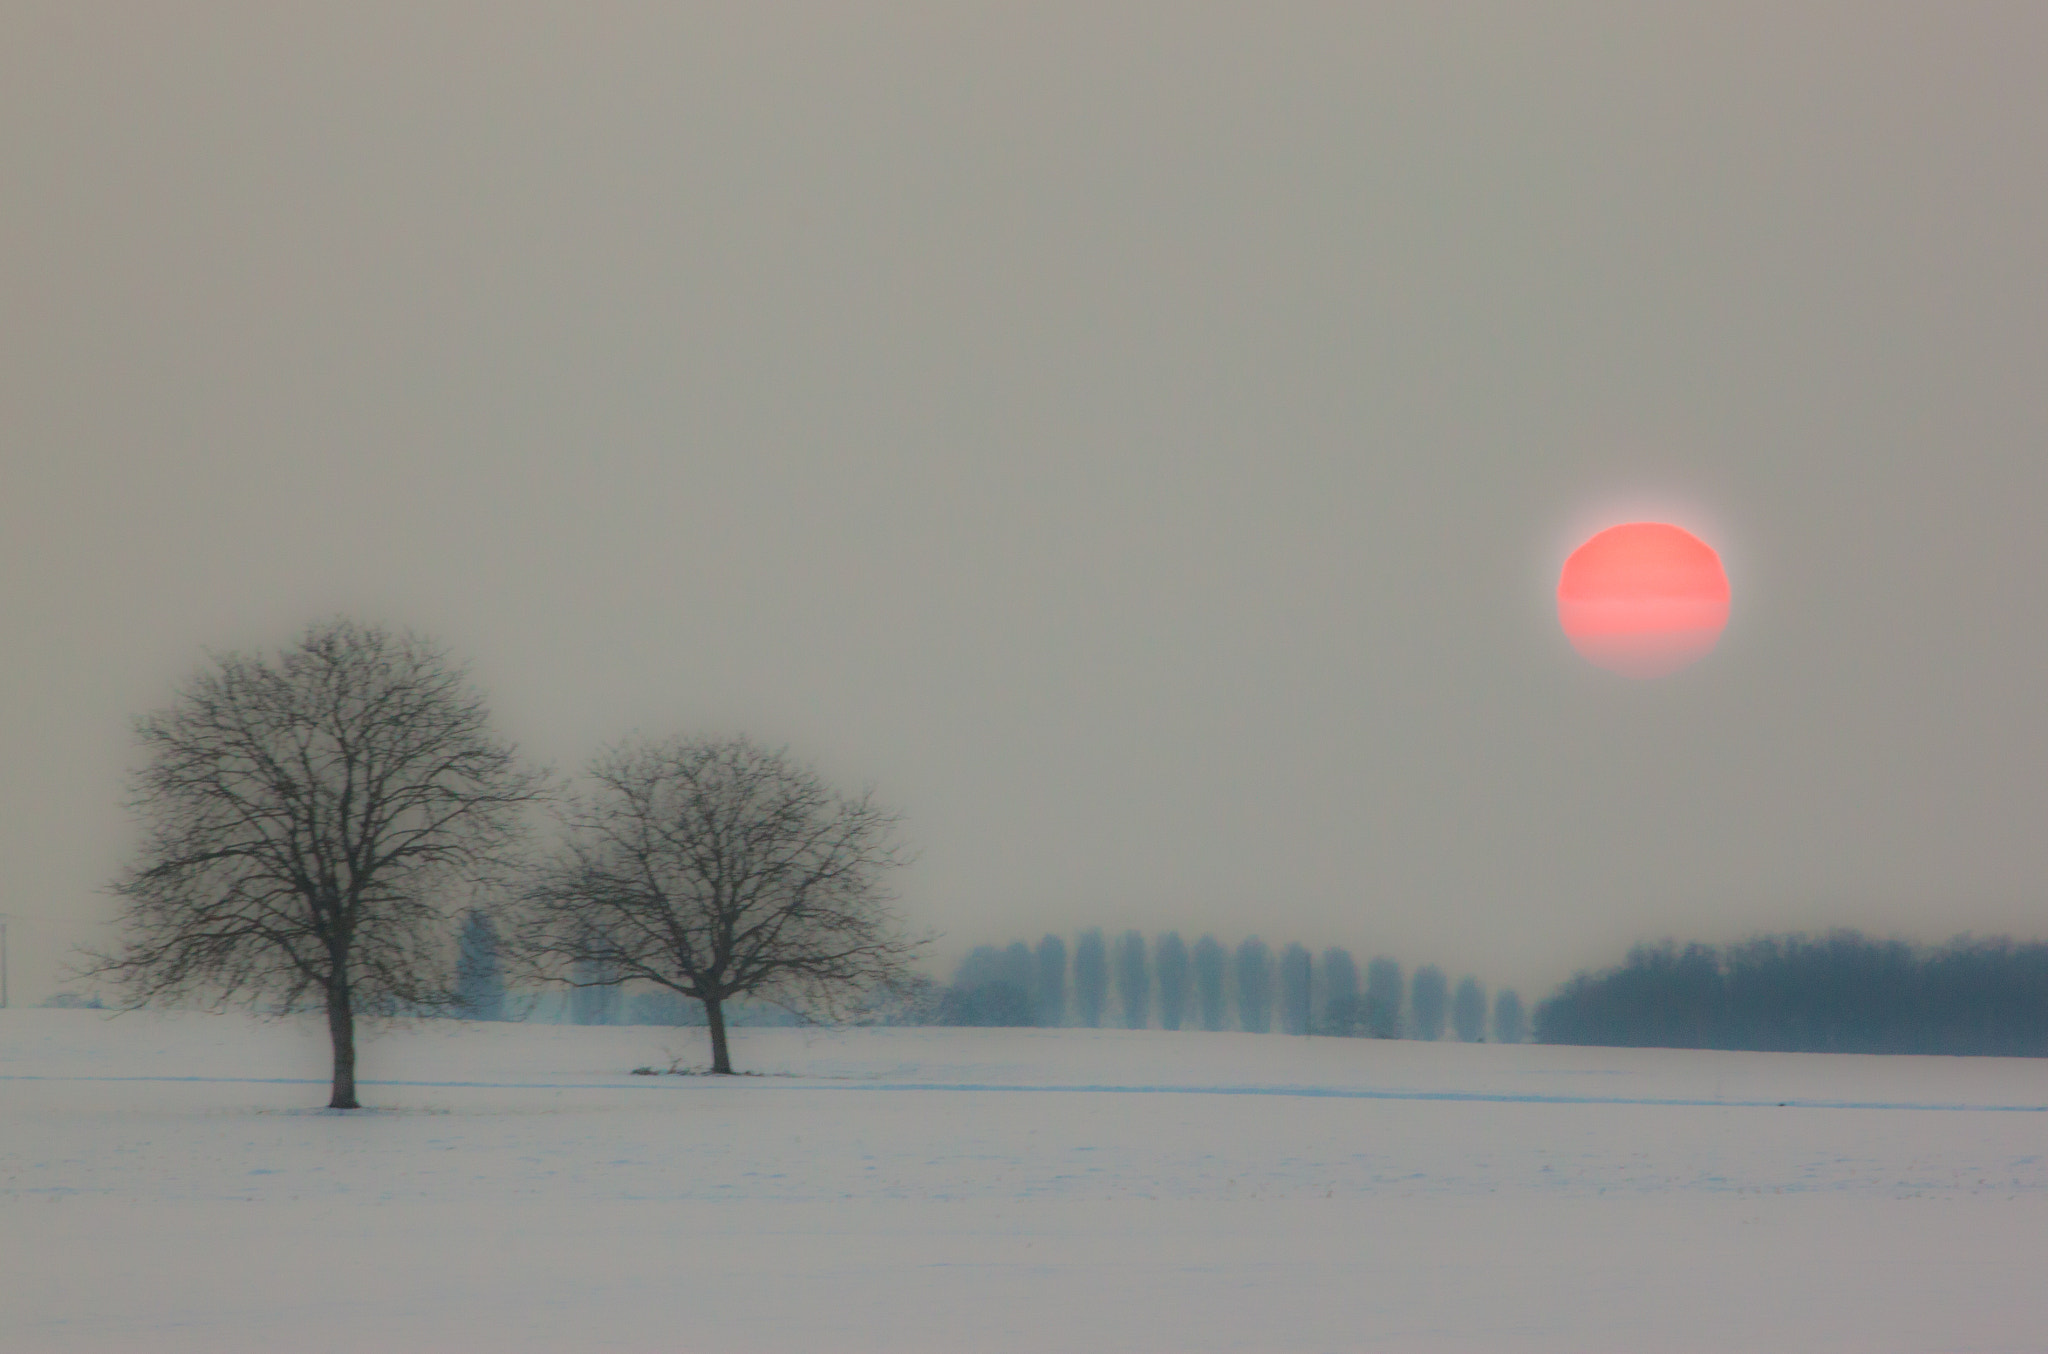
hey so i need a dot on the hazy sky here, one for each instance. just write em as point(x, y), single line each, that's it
point(1141, 440)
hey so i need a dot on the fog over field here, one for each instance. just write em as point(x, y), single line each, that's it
point(1142, 443)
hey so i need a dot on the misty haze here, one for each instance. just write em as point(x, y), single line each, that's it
point(1166, 677)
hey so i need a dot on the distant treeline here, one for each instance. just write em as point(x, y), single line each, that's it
point(1138, 983)
point(1842, 993)
point(480, 985)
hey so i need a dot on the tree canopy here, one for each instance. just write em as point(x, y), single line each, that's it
point(312, 820)
point(717, 869)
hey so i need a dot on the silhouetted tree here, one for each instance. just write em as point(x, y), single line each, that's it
point(1091, 977)
point(1987, 997)
point(311, 821)
point(1294, 994)
point(1133, 980)
point(1209, 968)
point(981, 965)
point(986, 991)
point(1170, 957)
point(479, 971)
point(1427, 999)
point(1468, 1011)
point(719, 870)
point(1509, 1027)
point(594, 992)
point(1383, 998)
point(1662, 997)
point(1841, 993)
point(1052, 982)
point(1021, 972)
point(1342, 1012)
point(1254, 986)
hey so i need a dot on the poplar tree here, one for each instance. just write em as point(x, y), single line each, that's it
point(1170, 959)
point(1209, 965)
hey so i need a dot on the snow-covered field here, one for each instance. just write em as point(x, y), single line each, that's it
point(168, 1183)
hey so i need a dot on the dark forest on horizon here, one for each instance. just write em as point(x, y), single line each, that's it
point(1839, 993)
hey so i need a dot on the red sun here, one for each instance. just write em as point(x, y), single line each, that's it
point(1644, 599)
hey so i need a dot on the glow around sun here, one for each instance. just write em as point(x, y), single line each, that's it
point(1643, 599)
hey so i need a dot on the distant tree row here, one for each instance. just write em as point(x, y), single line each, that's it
point(1840, 993)
point(1204, 984)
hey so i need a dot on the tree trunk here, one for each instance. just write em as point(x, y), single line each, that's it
point(714, 1016)
point(341, 1028)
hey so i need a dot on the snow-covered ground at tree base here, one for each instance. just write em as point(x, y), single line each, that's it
point(169, 1182)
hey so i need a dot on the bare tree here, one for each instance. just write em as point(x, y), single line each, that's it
point(1382, 1002)
point(1170, 957)
point(719, 869)
point(1342, 1013)
point(1296, 969)
point(1209, 967)
point(1254, 985)
point(1052, 981)
point(1508, 1023)
point(1091, 976)
point(1468, 1010)
point(479, 970)
point(989, 990)
point(1133, 980)
point(594, 992)
point(310, 821)
point(1429, 995)
point(1020, 972)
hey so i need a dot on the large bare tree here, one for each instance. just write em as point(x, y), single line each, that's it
point(719, 869)
point(310, 823)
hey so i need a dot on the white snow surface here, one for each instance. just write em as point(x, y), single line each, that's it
point(170, 1182)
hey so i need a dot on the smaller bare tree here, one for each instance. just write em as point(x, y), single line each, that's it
point(719, 869)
